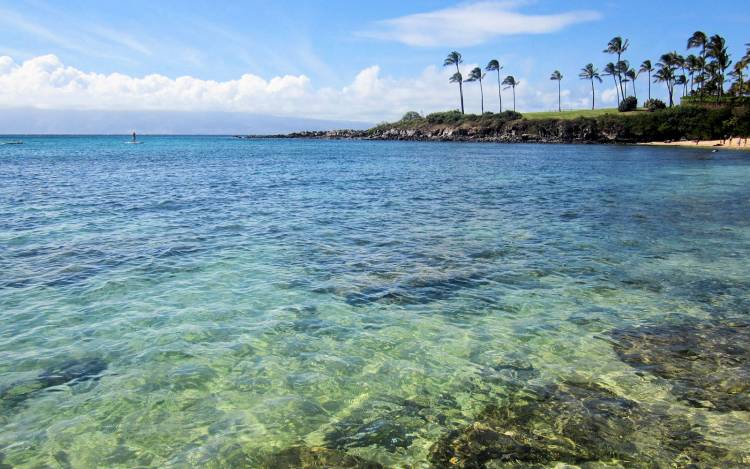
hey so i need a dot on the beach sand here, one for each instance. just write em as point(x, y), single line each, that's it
point(734, 145)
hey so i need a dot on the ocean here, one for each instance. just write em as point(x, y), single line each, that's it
point(214, 302)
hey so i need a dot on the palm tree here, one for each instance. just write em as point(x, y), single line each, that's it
point(699, 39)
point(717, 50)
point(632, 75)
point(557, 76)
point(682, 63)
point(647, 67)
point(738, 72)
point(693, 65)
point(618, 46)
point(611, 70)
point(681, 80)
point(511, 82)
point(665, 74)
point(700, 70)
point(494, 65)
point(454, 58)
point(622, 69)
point(589, 72)
point(477, 75)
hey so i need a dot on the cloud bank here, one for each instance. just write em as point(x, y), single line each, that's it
point(45, 82)
point(472, 24)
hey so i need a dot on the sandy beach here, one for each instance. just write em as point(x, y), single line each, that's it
point(736, 144)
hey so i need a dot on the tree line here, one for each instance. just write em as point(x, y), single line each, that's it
point(702, 74)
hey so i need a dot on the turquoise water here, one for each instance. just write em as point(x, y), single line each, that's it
point(203, 301)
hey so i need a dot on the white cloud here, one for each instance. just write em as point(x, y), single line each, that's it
point(609, 95)
point(45, 82)
point(472, 24)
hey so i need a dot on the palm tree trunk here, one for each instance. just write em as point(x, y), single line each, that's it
point(617, 90)
point(670, 88)
point(703, 69)
point(460, 89)
point(649, 85)
point(481, 91)
point(635, 93)
point(499, 91)
point(619, 75)
point(739, 92)
point(593, 99)
point(559, 102)
point(514, 98)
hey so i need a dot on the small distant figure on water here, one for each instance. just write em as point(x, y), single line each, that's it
point(134, 136)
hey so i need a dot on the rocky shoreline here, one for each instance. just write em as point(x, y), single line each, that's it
point(685, 123)
point(445, 134)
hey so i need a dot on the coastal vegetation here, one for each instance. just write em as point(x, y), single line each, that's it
point(589, 72)
point(707, 110)
point(659, 123)
point(557, 76)
point(700, 75)
point(477, 75)
point(511, 82)
point(455, 59)
point(494, 66)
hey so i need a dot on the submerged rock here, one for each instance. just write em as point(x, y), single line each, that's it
point(69, 372)
point(2, 463)
point(73, 371)
point(708, 364)
point(387, 423)
point(300, 457)
point(573, 423)
point(418, 290)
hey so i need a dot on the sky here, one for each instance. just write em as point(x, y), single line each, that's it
point(329, 60)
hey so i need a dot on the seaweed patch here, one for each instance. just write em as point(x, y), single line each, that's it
point(573, 423)
point(708, 364)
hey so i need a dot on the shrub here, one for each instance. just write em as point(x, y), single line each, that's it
point(510, 115)
point(741, 121)
point(710, 100)
point(628, 104)
point(411, 116)
point(654, 104)
point(449, 117)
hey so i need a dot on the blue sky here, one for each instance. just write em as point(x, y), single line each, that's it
point(336, 59)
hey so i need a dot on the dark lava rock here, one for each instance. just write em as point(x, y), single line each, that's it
point(2, 464)
point(316, 458)
point(417, 290)
point(573, 423)
point(388, 423)
point(708, 364)
point(73, 371)
point(69, 372)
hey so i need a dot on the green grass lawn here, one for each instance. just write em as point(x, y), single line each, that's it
point(572, 114)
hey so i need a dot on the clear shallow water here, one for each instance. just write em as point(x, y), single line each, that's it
point(209, 301)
